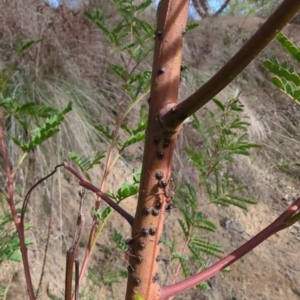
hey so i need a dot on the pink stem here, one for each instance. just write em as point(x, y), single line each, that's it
point(277, 225)
point(84, 183)
point(19, 225)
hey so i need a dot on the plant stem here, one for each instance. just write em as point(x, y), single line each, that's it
point(159, 147)
point(19, 225)
point(282, 15)
point(84, 183)
point(280, 223)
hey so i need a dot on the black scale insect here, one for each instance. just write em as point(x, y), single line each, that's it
point(128, 254)
point(152, 231)
point(137, 280)
point(145, 232)
point(162, 70)
point(160, 154)
point(155, 212)
point(147, 211)
point(155, 277)
point(141, 245)
point(160, 34)
point(167, 191)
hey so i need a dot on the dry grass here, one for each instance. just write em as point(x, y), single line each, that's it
point(66, 35)
point(273, 116)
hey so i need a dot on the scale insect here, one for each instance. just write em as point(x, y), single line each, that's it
point(168, 189)
point(128, 254)
point(155, 277)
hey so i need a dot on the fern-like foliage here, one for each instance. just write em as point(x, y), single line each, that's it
point(85, 163)
point(132, 37)
point(9, 240)
point(193, 225)
point(223, 141)
point(223, 134)
point(119, 240)
point(286, 78)
point(47, 121)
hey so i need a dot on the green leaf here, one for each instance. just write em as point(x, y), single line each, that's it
point(127, 46)
point(119, 71)
point(134, 139)
point(33, 109)
point(184, 267)
point(106, 212)
point(28, 242)
point(137, 53)
point(284, 65)
point(125, 128)
point(86, 162)
point(137, 296)
point(143, 5)
point(49, 128)
point(183, 227)
point(179, 255)
point(226, 202)
point(297, 95)
point(203, 245)
point(219, 104)
point(203, 286)
point(197, 255)
point(137, 175)
point(105, 131)
point(15, 257)
point(149, 30)
point(203, 223)
point(27, 45)
point(288, 45)
point(27, 225)
point(119, 240)
point(226, 270)
point(191, 26)
point(138, 84)
point(127, 190)
point(141, 127)
point(242, 199)
point(103, 215)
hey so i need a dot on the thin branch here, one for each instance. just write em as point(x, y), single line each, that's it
point(185, 246)
point(10, 200)
point(26, 200)
point(76, 279)
point(72, 254)
point(84, 183)
point(220, 10)
point(158, 147)
point(282, 222)
point(45, 252)
point(201, 9)
point(284, 13)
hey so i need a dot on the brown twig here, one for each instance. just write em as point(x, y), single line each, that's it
point(220, 10)
point(107, 169)
point(84, 183)
point(72, 253)
point(284, 13)
point(45, 252)
point(280, 223)
point(19, 225)
point(77, 274)
point(27, 197)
